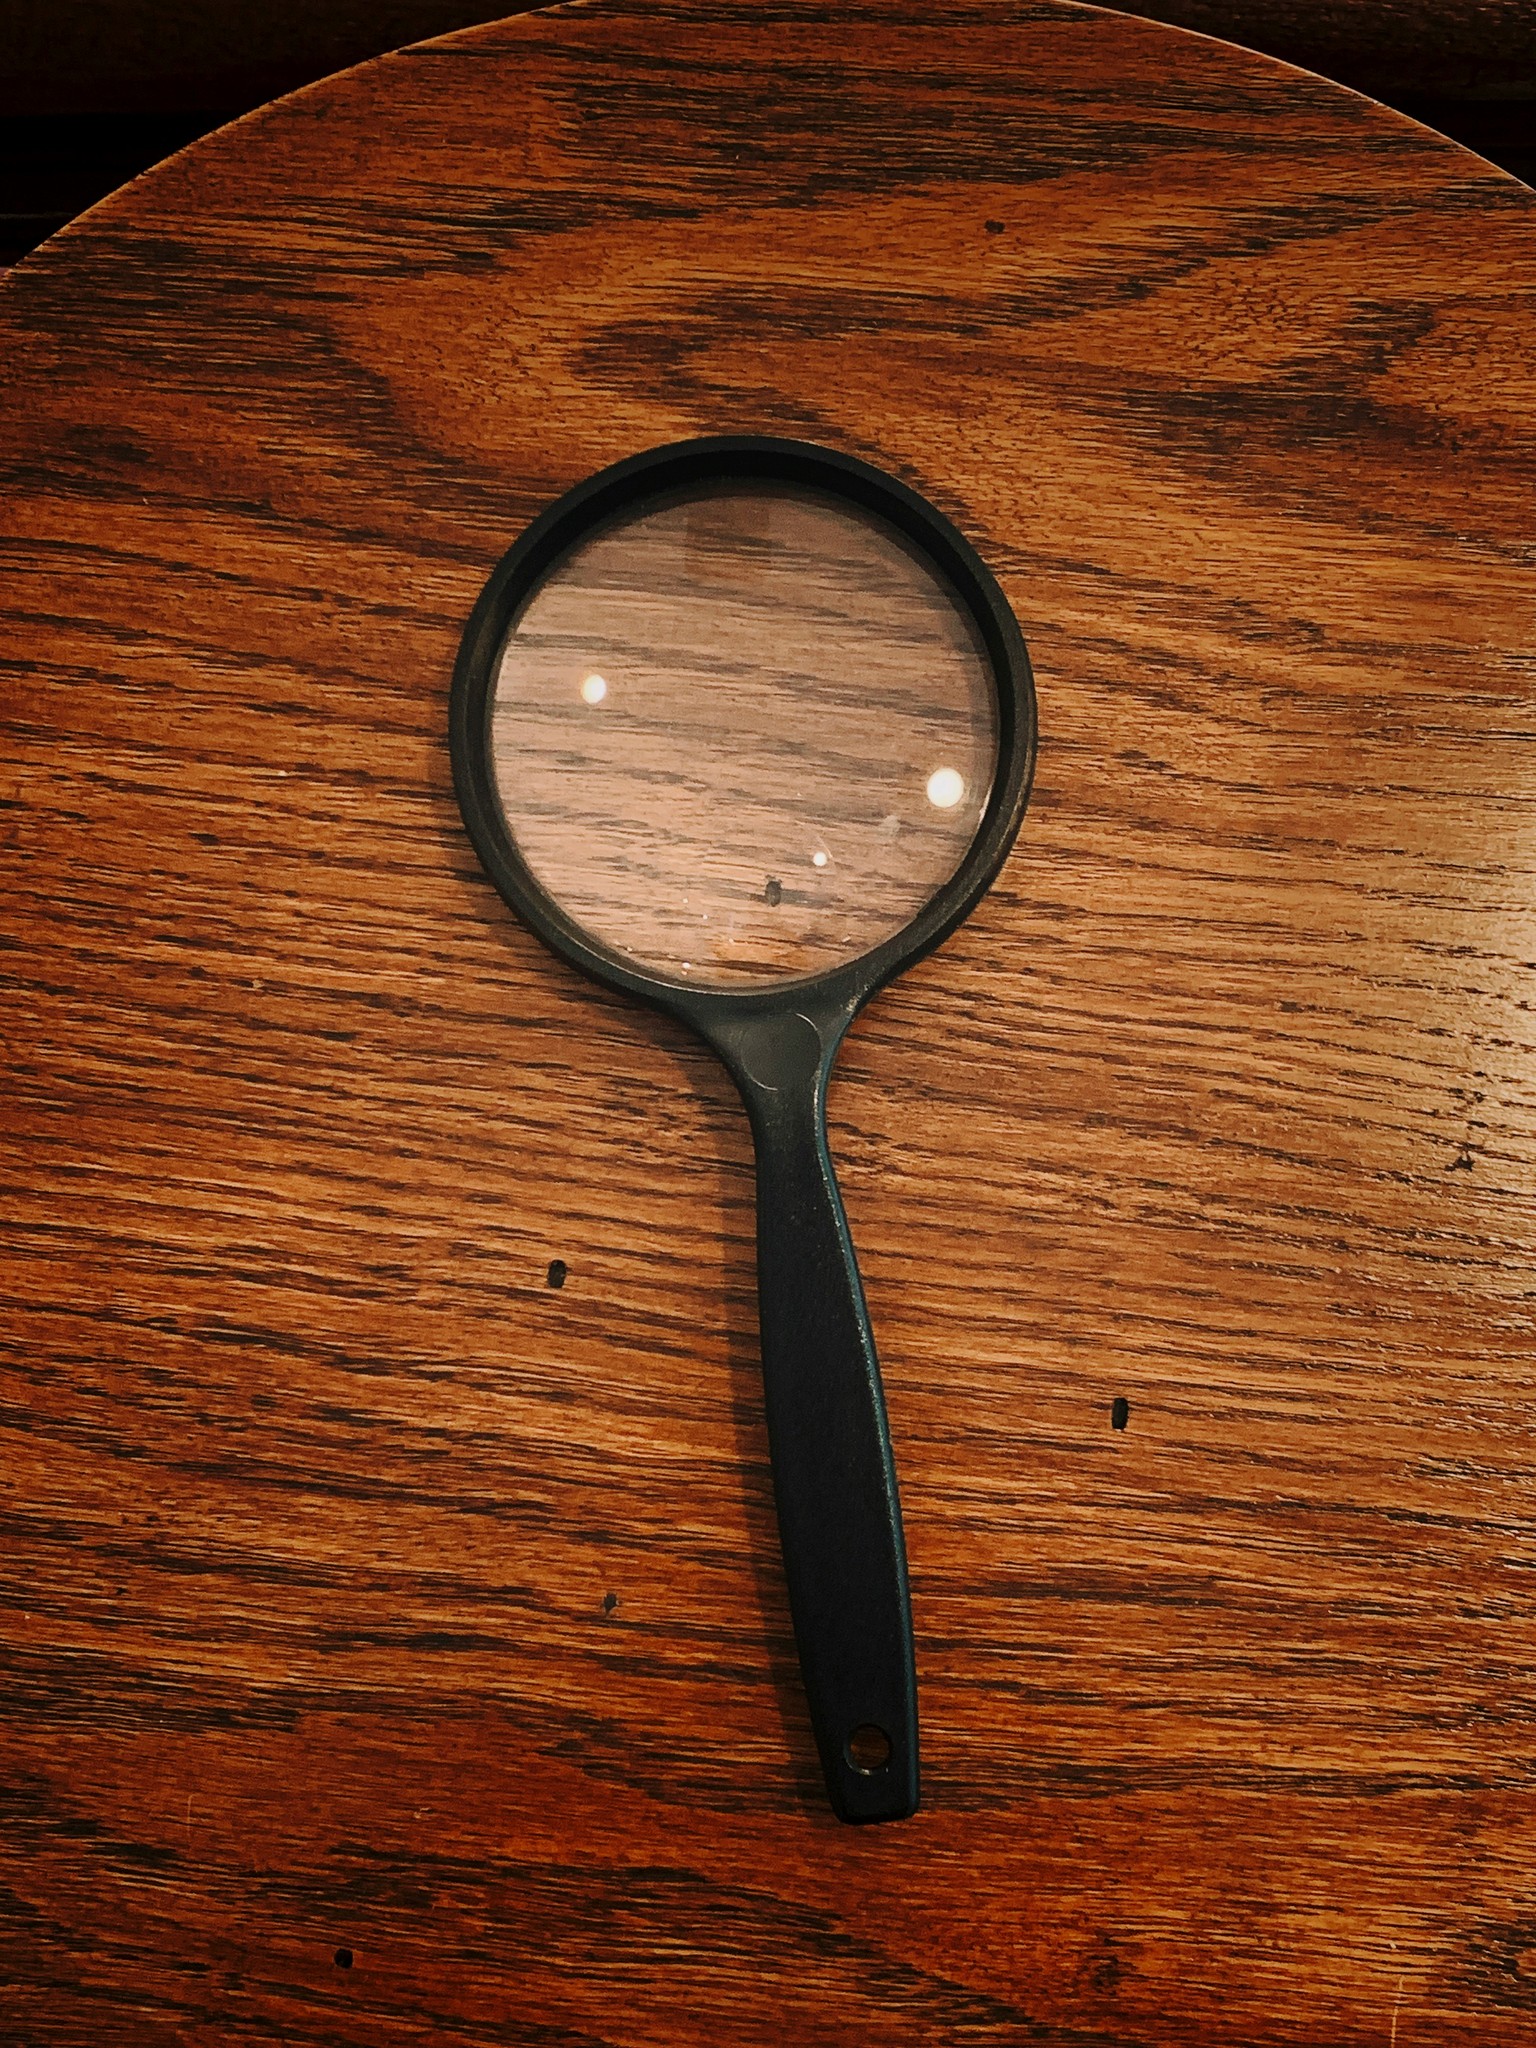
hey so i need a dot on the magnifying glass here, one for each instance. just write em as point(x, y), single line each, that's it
point(744, 727)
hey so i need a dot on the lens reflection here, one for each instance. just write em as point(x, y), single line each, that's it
point(780, 742)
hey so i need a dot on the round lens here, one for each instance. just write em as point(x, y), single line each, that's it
point(742, 735)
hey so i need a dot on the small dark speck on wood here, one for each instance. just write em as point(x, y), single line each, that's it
point(1119, 1412)
point(610, 1601)
point(994, 227)
point(556, 1274)
point(773, 892)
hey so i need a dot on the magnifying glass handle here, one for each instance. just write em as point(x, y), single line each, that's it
point(833, 1474)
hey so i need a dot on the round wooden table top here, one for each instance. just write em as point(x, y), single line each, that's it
point(394, 1640)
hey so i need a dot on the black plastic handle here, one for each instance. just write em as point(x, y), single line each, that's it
point(833, 1474)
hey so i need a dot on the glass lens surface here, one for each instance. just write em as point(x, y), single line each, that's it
point(743, 736)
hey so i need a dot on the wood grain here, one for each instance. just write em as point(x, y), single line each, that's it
point(366, 1595)
point(179, 56)
point(1485, 49)
point(715, 729)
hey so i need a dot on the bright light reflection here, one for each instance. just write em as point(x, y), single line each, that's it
point(818, 860)
point(594, 689)
point(946, 786)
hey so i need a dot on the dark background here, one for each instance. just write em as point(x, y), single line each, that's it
point(94, 91)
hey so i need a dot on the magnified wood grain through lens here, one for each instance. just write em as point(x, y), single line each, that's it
point(744, 737)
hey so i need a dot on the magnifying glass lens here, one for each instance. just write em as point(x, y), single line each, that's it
point(743, 735)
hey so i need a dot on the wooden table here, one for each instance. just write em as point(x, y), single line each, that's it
point(394, 1645)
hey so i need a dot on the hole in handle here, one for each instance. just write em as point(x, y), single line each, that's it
point(868, 1748)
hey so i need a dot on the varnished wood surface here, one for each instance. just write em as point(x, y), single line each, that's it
point(180, 56)
point(1445, 48)
point(364, 1594)
point(92, 92)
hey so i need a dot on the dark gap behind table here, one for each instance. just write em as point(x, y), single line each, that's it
point(94, 91)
